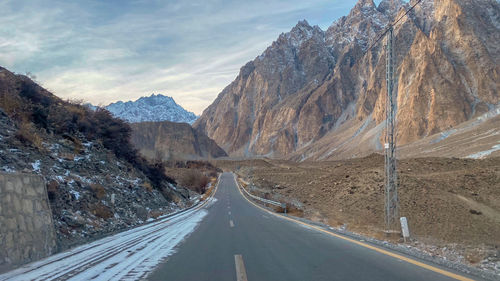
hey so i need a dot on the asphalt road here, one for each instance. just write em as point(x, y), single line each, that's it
point(237, 238)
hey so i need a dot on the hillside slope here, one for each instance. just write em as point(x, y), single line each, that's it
point(312, 88)
point(96, 182)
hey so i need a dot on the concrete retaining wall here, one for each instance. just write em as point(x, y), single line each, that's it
point(26, 228)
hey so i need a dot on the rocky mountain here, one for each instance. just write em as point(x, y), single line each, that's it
point(152, 108)
point(96, 182)
point(173, 141)
point(317, 94)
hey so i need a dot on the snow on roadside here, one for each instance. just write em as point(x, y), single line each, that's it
point(130, 255)
point(75, 193)
point(36, 166)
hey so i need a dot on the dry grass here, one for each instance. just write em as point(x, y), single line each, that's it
point(28, 135)
point(98, 191)
point(190, 178)
point(148, 186)
point(14, 107)
point(474, 256)
point(155, 214)
point(210, 190)
point(67, 156)
point(101, 211)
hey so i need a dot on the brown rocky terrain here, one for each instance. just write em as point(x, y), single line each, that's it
point(193, 175)
point(312, 91)
point(173, 141)
point(452, 205)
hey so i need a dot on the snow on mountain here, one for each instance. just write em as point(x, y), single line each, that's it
point(152, 108)
point(312, 88)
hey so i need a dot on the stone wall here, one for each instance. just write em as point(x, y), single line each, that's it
point(26, 228)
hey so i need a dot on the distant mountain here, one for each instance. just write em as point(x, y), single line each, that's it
point(317, 94)
point(173, 141)
point(152, 108)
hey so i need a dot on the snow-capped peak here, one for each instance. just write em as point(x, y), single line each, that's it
point(156, 107)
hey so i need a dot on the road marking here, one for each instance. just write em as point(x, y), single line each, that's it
point(229, 212)
point(382, 251)
point(241, 274)
point(231, 224)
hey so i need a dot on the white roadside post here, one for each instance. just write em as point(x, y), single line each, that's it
point(283, 205)
point(404, 228)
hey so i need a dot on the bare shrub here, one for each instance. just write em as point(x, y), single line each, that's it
point(14, 107)
point(155, 214)
point(98, 191)
point(28, 135)
point(52, 188)
point(101, 211)
point(147, 186)
point(195, 180)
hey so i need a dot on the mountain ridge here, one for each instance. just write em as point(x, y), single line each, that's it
point(309, 82)
point(156, 107)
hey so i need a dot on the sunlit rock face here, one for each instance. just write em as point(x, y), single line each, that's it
point(309, 82)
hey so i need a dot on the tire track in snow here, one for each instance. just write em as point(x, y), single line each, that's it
point(129, 255)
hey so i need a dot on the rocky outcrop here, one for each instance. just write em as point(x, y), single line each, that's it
point(311, 88)
point(173, 141)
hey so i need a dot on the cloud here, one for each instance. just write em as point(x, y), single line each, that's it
point(103, 51)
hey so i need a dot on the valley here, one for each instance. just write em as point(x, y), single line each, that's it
point(283, 174)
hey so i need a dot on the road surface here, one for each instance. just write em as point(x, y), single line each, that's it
point(227, 238)
point(237, 239)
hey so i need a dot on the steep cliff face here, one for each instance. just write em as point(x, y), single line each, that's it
point(311, 86)
point(168, 140)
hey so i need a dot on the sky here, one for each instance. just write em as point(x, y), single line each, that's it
point(102, 51)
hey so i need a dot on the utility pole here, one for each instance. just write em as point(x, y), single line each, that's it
point(391, 177)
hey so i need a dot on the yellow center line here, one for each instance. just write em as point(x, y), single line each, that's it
point(385, 252)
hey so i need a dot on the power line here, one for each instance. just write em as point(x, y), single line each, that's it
point(391, 25)
point(409, 10)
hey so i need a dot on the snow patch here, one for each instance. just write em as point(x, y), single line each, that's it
point(36, 166)
point(130, 255)
point(8, 169)
point(152, 108)
point(482, 154)
point(76, 194)
point(443, 136)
